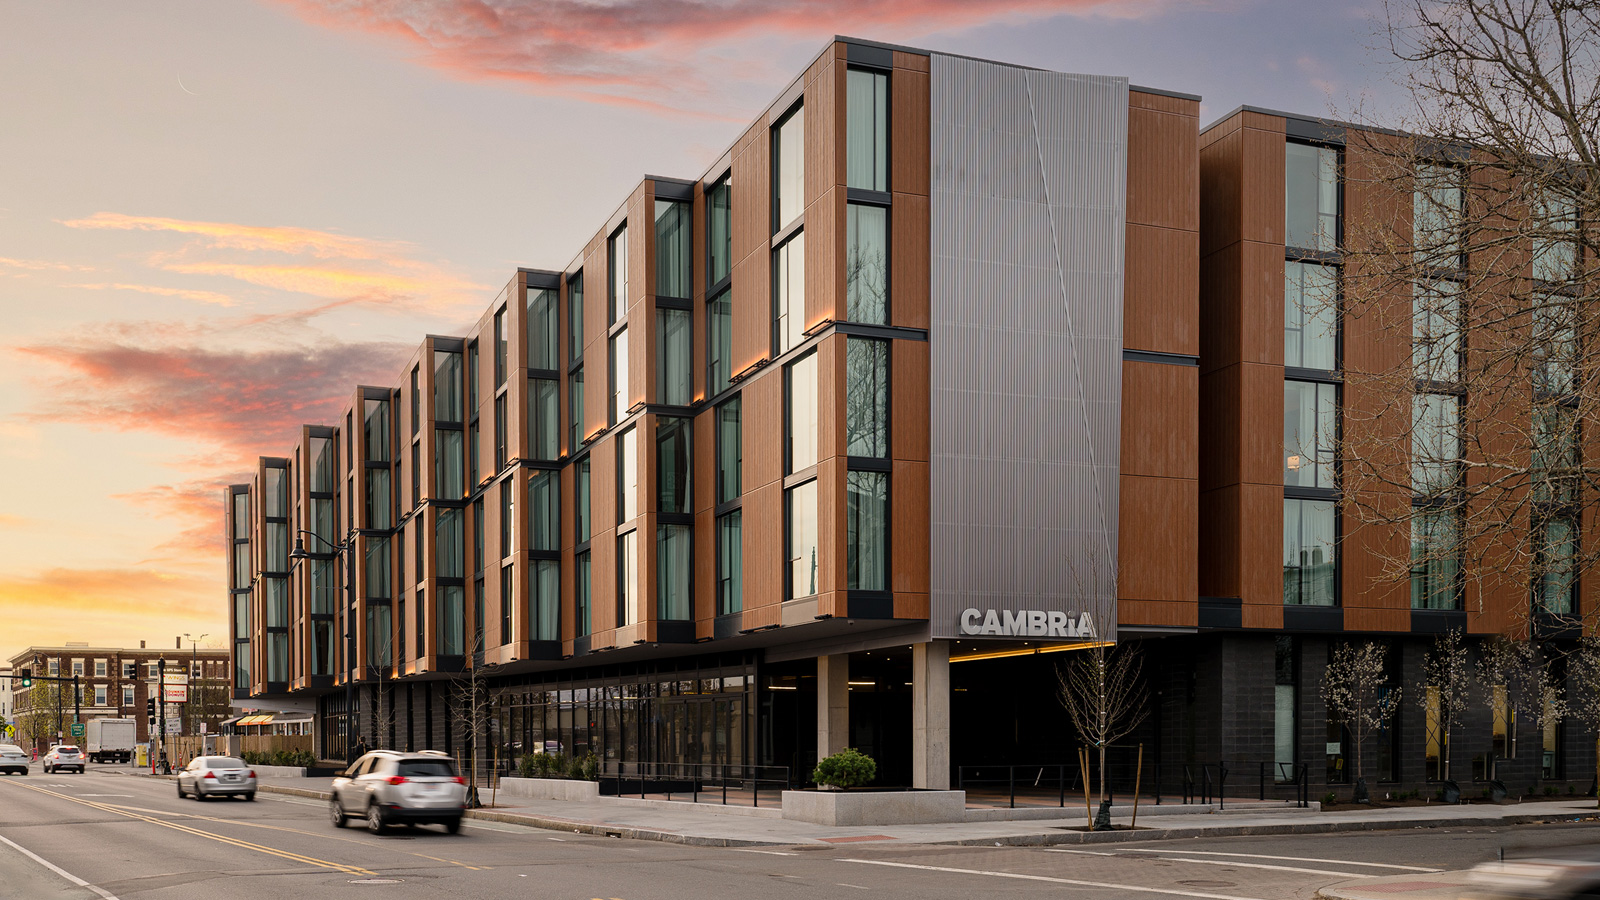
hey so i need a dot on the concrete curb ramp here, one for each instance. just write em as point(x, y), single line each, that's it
point(1420, 886)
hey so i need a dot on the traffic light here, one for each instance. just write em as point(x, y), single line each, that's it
point(27, 678)
point(150, 708)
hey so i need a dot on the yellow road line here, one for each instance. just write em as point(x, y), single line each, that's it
point(285, 828)
point(236, 842)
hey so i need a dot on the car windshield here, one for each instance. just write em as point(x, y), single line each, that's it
point(224, 762)
point(10, 748)
point(427, 768)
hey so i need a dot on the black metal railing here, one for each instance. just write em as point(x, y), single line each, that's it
point(1299, 777)
point(627, 779)
point(1208, 787)
point(1063, 779)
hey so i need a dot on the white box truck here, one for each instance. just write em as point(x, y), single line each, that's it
point(111, 740)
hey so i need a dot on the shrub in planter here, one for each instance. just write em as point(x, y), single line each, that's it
point(846, 769)
point(586, 769)
point(527, 765)
point(558, 765)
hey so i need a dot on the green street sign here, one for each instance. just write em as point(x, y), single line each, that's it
point(77, 729)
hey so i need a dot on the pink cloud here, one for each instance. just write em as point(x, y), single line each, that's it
point(661, 54)
point(247, 402)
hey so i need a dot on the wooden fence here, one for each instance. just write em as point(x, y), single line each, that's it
point(182, 749)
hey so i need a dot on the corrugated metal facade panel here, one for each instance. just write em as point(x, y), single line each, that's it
point(1029, 174)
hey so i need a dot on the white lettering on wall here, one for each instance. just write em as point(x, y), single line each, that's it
point(1026, 623)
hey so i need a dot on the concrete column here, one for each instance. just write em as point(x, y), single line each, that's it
point(833, 704)
point(930, 715)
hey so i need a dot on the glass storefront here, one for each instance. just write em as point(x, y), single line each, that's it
point(688, 714)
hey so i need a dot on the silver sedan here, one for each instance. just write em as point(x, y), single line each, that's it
point(217, 776)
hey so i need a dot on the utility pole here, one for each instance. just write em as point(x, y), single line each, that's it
point(77, 700)
point(161, 705)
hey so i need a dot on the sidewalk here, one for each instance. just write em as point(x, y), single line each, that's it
point(709, 824)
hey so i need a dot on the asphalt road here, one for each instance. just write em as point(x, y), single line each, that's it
point(130, 838)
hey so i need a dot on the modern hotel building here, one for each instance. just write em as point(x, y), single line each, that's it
point(944, 366)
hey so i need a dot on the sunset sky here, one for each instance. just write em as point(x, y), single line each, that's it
point(217, 217)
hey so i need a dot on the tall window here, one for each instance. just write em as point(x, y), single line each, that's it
point(867, 530)
point(628, 475)
point(582, 581)
point(1310, 316)
point(800, 540)
point(730, 563)
point(544, 419)
point(448, 481)
point(1436, 331)
point(575, 316)
point(1310, 411)
point(501, 342)
point(544, 600)
point(1555, 565)
point(618, 406)
point(674, 461)
point(1311, 198)
point(789, 168)
point(500, 432)
point(453, 620)
point(674, 563)
point(1435, 443)
point(1438, 209)
point(719, 230)
point(867, 130)
point(1308, 552)
point(719, 342)
point(508, 591)
point(1555, 349)
point(729, 451)
point(1436, 559)
point(675, 356)
point(1555, 473)
point(543, 329)
point(575, 410)
point(866, 416)
point(416, 399)
point(673, 268)
point(789, 292)
point(866, 264)
point(446, 387)
point(1284, 705)
point(507, 517)
point(628, 578)
point(544, 511)
point(1555, 253)
point(617, 266)
point(450, 548)
point(580, 501)
point(800, 413)
point(376, 424)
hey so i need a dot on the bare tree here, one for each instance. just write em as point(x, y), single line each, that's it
point(1583, 700)
point(1464, 232)
point(1104, 692)
point(1356, 691)
point(473, 705)
point(1518, 682)
point(1447, 677)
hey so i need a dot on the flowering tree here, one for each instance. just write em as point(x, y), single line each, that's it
point(1448, 677)
point(1356, 691)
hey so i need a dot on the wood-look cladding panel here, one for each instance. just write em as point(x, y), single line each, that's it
point(909, 261)
point(825, 233)
point(823, 117)
point(1221, 189)
point(909, 526)
point(1262, 204)
point(830, 525)
point(909, 402)
point(1241, 305)
point(909, 147)
point(1157, 538)
point(1160, 420)
point(1161, 286)
point(762, 525)
point(1169, 613)
point(1163, 171)
point(1186, 106)
point(761, 432)
point(752, 262)
point(1241, 408)
point(752, 311)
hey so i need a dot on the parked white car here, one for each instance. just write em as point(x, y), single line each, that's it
point(388, 787)
point(217, 776)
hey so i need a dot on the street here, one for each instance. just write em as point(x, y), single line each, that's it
point(130, 837)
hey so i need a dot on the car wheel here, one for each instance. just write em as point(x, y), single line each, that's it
point(200, 795)
point(335, 812)
point(250, 796)
point(180, 790)
point(374, 818)
point(453, 826)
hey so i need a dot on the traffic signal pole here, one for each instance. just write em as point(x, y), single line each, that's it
point(161, 704)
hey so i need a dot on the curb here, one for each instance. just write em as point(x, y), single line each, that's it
point(1043, 839)
point(553, 824)
point(1171, 834)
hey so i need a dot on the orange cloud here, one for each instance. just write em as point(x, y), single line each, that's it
point(379, 273)
point(659, 54)
point(109, 607)
point(211, 297)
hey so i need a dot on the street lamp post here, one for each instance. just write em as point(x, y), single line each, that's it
point(194, 676)
point(341, 550)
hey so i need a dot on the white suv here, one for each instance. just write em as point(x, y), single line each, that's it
point(388, 787)
point(13, 759)
point(63, 756)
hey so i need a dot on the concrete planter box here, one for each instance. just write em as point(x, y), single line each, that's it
point(547, 789)
point(875, 807)
point(280, 771)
